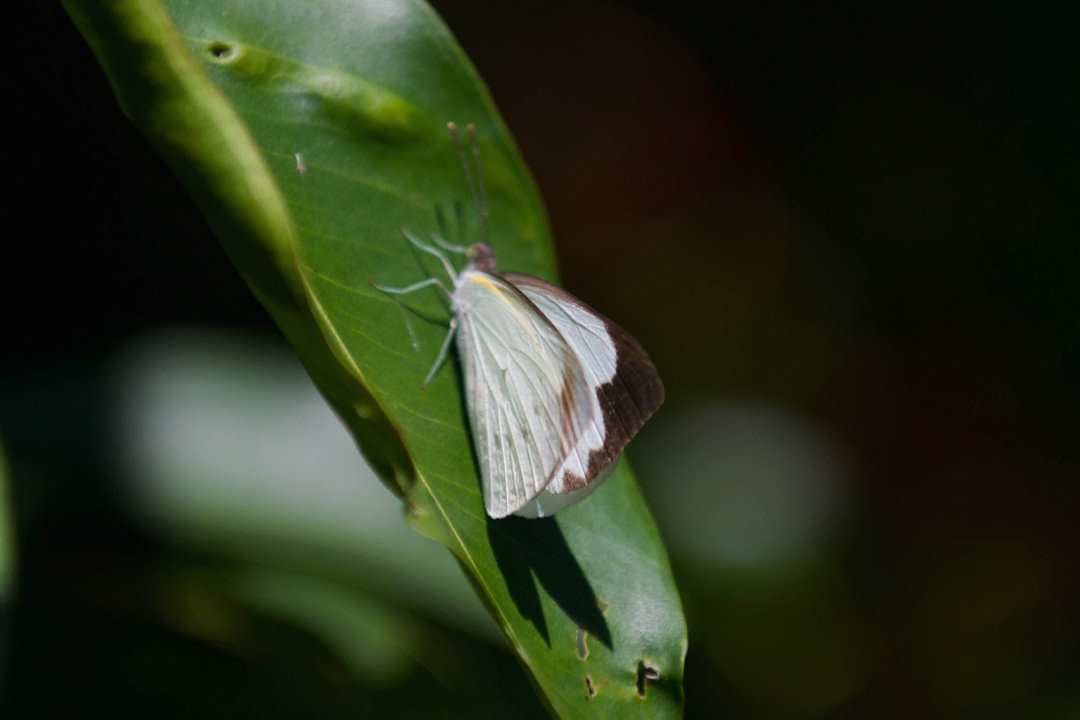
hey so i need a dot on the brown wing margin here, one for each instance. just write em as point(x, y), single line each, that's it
point(632, 396)
point(628, 399)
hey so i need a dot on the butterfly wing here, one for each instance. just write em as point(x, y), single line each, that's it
point(528, 399)
point(625, 389)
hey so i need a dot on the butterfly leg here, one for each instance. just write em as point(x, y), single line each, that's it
point(420, 245)
point(442, 351)
point(449, 246)
point(461, 247)
point(411, 288)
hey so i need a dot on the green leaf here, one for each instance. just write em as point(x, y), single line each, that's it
point(309, 134)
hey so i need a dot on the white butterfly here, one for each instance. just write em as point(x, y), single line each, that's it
point(554, 390)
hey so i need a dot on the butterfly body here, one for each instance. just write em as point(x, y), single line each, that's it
point(546, 387)
point(553, 389)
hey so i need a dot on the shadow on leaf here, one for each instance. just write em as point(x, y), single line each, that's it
point(526, 548)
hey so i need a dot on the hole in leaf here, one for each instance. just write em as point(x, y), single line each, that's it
point(645, 671)
point(221, 49)
point(582, 646)
point(589, 687)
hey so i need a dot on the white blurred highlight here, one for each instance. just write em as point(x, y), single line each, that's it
point(747, 483)
point(225, 445)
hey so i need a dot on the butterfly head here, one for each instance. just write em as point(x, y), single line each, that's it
point(482, 258)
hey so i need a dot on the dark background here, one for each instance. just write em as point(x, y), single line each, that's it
point(847, 235)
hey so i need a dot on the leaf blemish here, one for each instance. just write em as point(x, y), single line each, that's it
point(413, 340)
point(582, 646)
point(645, 671)
point(589, 687)
point(221, 50)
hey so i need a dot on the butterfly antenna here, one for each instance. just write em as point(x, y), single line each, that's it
point(481, 196)
point(468, 173)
